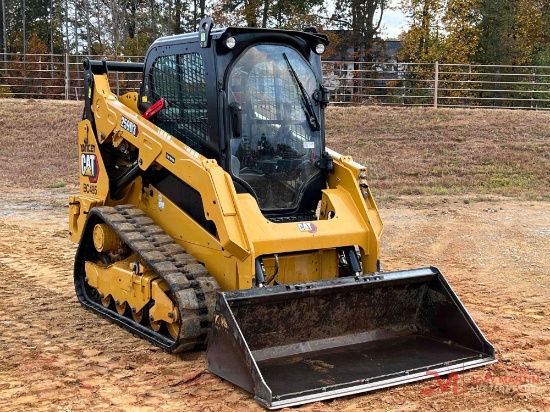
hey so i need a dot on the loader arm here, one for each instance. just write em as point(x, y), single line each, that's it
point(116, 121)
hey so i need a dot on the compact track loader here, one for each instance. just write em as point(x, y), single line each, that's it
point(211, 213)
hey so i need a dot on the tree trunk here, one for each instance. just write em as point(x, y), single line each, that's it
point(88, 28)
point(250, 8)
point(203, 9)
point(265, 13)
point(423, 46)
point(131, 19)
point(4, 39)
point(75, 29)
point(67, 43)
point(177, 29)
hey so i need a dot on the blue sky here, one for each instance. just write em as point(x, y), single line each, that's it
point(393, 21)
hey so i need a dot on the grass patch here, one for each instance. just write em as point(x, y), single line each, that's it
point(407, 150)
point(39, 142)
point(427, 151)
point(55, 185)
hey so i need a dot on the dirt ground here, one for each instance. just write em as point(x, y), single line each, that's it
point(494, 251)
point(54, 355)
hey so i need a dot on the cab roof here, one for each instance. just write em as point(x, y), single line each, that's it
point(218, 33)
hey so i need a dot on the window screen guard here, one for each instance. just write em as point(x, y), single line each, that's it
point(180, 80)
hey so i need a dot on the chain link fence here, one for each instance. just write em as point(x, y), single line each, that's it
point(45, 76)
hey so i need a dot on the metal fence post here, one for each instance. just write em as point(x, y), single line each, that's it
point(436, 83)
point(533, 86)
point(4, 37)
point(469, 86)
point(67, 77)
point(40, 82)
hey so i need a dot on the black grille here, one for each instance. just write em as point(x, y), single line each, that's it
point(180, 80)
point(302, 217)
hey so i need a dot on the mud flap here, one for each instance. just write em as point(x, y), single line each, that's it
point(300, 343)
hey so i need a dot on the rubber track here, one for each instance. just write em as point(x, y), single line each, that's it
point(191, 285)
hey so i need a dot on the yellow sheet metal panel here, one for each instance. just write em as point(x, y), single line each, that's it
point(164, 308)
point(302, 267)
point(120, 283)
point(149, 150)
point(346, 177)
point(223, 192)
point(344, 229)
point(93, 175)
point(192, 237)
point(130, 100)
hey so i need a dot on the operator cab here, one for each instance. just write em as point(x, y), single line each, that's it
point(253, 100)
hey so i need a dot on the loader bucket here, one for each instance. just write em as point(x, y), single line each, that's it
point(300, 343)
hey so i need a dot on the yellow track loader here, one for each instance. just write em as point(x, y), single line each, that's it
point(211, 213)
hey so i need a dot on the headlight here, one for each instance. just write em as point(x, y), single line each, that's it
point(320, 48)
point(230, 42)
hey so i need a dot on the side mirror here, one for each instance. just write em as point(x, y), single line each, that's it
point(236, 114)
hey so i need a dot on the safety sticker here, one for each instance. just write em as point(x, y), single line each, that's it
point(307, 227)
